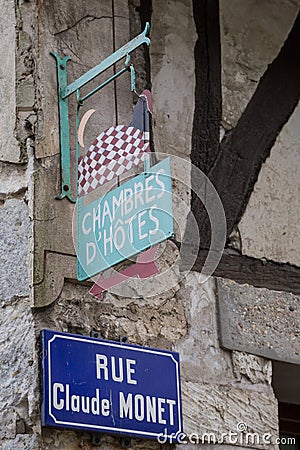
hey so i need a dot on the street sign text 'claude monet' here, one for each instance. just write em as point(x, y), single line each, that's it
point(109, 387)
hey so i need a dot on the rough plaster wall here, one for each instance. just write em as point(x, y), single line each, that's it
point(271, 223)
point(252, 34)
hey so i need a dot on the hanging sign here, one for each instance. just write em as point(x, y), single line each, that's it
point(109, 387)
point(125, 221)
point(130, 219)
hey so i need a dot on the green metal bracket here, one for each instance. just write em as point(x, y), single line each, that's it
point(65, 90)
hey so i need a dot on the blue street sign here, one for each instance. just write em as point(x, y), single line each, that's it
point(109, 387)
point(125, 221)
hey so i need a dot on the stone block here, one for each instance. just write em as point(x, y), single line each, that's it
point(52, 218)
point(251, 367)
point(8, 425)
point(15, 230)
point(259, 321)
point(24, 42)
point(18, 367)
point(220, 389)
point(25, 63)
point(25, 94)
point(57, 267)
point(154, 325)
point(251, 36)
point(9, 149)
point(123, 93)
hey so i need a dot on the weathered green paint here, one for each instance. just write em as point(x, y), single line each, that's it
point(64, 132)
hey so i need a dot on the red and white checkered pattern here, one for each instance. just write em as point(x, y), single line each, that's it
point(115, 151)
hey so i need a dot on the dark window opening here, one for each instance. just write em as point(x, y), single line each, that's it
point(287, 390)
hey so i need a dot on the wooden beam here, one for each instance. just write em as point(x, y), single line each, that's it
point(244, 269)
point(208, 95)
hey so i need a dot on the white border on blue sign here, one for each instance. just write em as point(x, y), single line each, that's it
point(111, 344)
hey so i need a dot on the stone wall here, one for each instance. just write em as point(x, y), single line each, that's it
point(18, 367)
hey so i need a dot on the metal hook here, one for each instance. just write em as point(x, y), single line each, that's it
point(132, 78)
